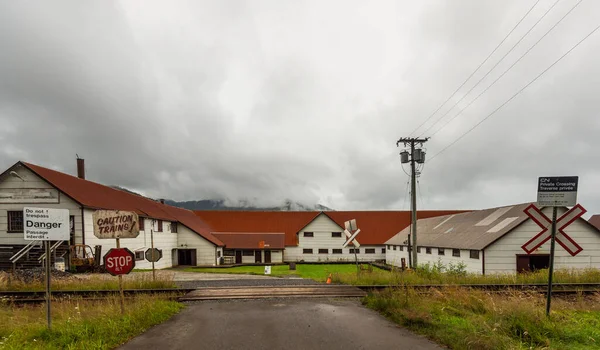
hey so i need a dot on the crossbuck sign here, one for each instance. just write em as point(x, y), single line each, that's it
point(561, 237)
point(351, 237)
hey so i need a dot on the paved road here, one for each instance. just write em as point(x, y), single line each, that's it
point(278, 324)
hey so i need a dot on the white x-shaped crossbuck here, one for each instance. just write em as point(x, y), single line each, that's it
point(561, 237)
point(351, 238)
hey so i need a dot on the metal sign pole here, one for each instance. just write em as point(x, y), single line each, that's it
point(121, 285)
point(48, 292)
point(356, 260)
point(551, 267)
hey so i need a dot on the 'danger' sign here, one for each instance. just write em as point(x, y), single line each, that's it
point(43, 224)
point(115, 224)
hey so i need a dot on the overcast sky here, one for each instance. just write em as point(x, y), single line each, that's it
point(270, 100)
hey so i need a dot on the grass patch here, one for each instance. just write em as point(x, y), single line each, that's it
point(317, 272)
point(434, 276)
point(80, 324)
point(463, 319)
point(93, 282)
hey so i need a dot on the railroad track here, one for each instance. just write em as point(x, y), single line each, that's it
point(304, 291)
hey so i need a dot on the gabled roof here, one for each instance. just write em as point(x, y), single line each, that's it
point(251, 240)
point(96, 196)
point(595, 221)
point(288, 222)
point(472, 230)
point(376, 226)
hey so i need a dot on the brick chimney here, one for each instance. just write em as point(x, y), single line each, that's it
point(81, 168)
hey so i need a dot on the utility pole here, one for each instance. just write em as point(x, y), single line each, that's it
point(417, 156)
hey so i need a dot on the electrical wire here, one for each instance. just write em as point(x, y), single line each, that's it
point(420, 194)
point(516, 94)
point(497, 63)
point(476, 69)
point(506, 71)
point(405, 195)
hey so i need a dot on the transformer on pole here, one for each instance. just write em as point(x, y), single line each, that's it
point(415, 154)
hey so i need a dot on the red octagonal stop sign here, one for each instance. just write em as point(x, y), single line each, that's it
point(119, 261)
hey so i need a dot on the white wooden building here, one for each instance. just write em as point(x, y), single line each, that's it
point(179, 233)
point(489, 241)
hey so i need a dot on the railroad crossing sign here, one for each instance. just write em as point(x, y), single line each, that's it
point(351, 237)
point(153, 258)
point(119, 261)
point(562, 238)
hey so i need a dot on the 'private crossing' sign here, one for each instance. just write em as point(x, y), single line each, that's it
point(561, 237)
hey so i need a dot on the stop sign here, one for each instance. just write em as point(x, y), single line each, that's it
point(119, 261)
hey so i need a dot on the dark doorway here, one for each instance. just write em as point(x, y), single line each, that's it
point(268, 256)
point(238, 256)
point(257, 256)
point(186, 257)
point(529, 263)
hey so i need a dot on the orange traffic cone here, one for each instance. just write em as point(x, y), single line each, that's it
point(329, 279)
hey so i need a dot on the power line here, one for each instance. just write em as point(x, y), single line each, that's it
point(517, 93)
point(406, 194)
point(508, 69)
point(420, 193)
point(494, 67)
point(476, 69)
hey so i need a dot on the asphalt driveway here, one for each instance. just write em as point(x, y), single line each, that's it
point(278, 324)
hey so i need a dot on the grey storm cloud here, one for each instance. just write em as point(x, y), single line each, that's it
point(269, 101)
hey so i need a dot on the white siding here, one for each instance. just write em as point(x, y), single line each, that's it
point(248, 259)
point(206, 252)
point(393, 257)
point(33, 181)
point(165, 241)
point(322, 227)
point(276, 256)
point(500, 257)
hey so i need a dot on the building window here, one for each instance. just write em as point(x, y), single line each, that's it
point(309, 234)
point(382, 250)
point(456, 253)
point(441, 251)
point(139, 255)
point(323, 251)
point(418, 249)
point(474, 254)
point(394, 247)
point(401, 248)
point(336, 234)
point(336, 251)
point(159, 229)
point(389, 247)
point(174, 227)
point(306, 251)
point(248, 252)
point(370, 251)
point(427, 250)
point(141, 223)
point(15, 222)
point(353, 251)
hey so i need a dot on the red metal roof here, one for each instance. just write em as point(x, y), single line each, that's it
point(288, 222)
point(94, 195)
point(376, 226)
point(595, 221)
point(250, 240)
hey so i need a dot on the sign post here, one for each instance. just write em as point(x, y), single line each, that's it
point(42, 224)
point(554, 192)
point(115, 224)
point(350, 226)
